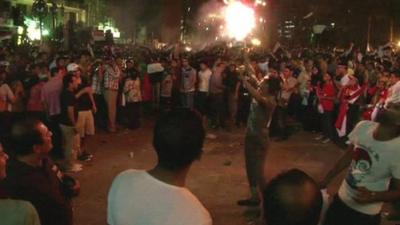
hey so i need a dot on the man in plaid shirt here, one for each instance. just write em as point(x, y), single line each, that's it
point(112, 74)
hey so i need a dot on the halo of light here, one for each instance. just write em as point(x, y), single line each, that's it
point(240, 20)
point(33, 29)
point(255, 42)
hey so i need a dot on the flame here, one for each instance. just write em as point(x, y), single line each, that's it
point(240, 20)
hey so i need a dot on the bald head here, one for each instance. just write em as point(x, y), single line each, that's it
point(292, 198)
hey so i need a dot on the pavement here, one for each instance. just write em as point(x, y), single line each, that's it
point(218, 179)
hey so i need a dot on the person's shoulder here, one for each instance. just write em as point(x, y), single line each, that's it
point(396, 86)
point(196, 208)
point(26, 211)
point(364, 125)
point(129, 174)
point(20, 206)
point(4, 86)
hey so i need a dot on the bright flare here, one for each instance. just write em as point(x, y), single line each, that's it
point(240, 20)
point(255, 42)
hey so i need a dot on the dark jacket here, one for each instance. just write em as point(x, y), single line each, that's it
point(42, 187)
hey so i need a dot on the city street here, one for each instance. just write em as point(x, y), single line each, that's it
point(218, 179)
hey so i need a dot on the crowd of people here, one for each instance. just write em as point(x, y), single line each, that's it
point(66, 96)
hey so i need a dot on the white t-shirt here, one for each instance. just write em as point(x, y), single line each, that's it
point(394, 93)
point(204, 80)
point(137, 198)
point(166, 86)
point(5, 96)
point(345, 80)
point(374, 164)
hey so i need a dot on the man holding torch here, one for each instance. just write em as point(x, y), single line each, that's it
point(263, 104)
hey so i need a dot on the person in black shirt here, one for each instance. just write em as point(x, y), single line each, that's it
point(68, 120)
point(85, 106)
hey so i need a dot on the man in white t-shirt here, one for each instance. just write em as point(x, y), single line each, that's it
point(204, 76)
point(394, 90)
point(342, 74)
point(6, 95)
point(159, 196)
point(374, 157)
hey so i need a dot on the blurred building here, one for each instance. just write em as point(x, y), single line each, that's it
point(87, 12)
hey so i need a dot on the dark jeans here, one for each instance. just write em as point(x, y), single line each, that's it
point(200, 102)
point(243, 109)
point(165, 103)
point(100, 117)
point(340, 214)
point(176, 101)
point(353, 117)
point(57, 140)
point(187, 100)
point(217, 110)
point(132, 114)
point(328, 129)
point(294, 106)
point(280, 117)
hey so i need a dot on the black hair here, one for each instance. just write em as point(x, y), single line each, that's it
point(53, 72)
point(282, 207)
point(24, 136)
point(273, 66)
point(178, 138)
point(132, 73)
point(42, 65)
point(84, 52)
point(343, 61)
point(67, 79)
point(274, 85)
point(289, 67)
point(396, 73)
point(60, 58)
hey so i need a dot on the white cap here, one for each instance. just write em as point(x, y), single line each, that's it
point(154, 68)
point(72, 67)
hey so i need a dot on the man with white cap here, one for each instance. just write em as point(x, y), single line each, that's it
point(68, 118)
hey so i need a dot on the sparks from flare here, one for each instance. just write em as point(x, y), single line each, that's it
point(240, 20)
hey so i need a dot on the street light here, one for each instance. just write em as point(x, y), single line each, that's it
point(40, 9)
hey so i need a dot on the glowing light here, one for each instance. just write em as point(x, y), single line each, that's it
point(106, 26)
point(20, 30)
point(398, 44)
point(260, 2)
point(255, 42)
point(240, 20)
point(33, 29)
point(188, 49)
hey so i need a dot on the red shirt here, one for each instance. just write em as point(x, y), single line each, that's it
point(35, 103)
point(329, 91)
